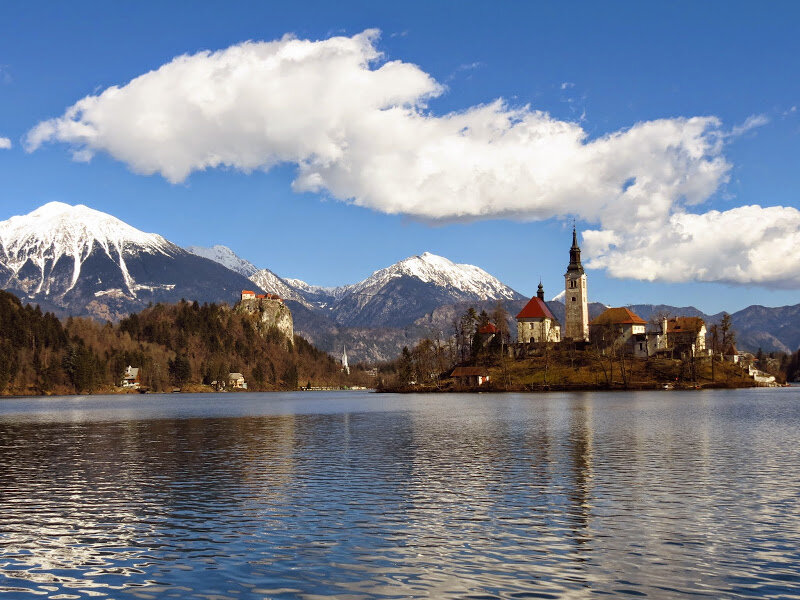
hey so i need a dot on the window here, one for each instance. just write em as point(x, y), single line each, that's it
point(573, 298)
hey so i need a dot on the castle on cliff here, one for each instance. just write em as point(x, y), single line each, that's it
point(269, 311)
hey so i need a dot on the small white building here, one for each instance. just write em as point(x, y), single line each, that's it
point(236, 381)
point(470, 376)
point(130, 379)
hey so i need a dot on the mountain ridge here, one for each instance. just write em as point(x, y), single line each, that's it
point(74, 260)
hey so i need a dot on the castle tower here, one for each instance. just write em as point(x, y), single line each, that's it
point(576, 321)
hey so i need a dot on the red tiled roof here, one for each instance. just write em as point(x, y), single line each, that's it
point(535, 309)
point(678, 324)
point(248, 292)
point(488, 328)
point(618, 316)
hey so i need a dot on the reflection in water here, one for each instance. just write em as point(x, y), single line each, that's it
point(508, 496)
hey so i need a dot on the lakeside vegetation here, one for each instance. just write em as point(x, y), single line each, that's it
point(188, 346)
point(184, 345)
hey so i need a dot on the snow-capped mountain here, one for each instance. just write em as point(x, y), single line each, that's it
point(267, 280)
point(321, 294)
point(263, 278)
point(226, 257)
point(394, 296)
point(405, 291)
point(81, 261)
point(430, 268)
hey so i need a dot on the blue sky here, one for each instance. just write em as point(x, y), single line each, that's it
point(603, 68)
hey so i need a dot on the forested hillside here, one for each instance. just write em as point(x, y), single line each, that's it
point(174, 345)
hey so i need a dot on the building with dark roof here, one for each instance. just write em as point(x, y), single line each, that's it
point(470, 376)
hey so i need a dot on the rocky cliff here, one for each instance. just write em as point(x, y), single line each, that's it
point(268, 313)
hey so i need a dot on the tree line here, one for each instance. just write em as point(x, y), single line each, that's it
point(434, 357)
point(172, 344)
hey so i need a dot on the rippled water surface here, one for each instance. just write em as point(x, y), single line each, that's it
point(355, 495)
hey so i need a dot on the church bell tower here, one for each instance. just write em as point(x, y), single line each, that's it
point(576, 326)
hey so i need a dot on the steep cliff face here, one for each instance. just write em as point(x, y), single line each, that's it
point(268, 313)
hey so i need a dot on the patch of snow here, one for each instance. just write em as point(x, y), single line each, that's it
point(226, 257)
point(113, 293)
point(559, 297)
point(334, 292)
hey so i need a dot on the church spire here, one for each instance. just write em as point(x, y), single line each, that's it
point(540, 291)
point(575, 254)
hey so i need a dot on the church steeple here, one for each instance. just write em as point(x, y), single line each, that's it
point(576, 316)
point(575, 255)
point(540, 292)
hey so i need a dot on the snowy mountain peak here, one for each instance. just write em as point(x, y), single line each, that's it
point(60, 223)
point(56, 230)
point(227, 258)
point(431, 268)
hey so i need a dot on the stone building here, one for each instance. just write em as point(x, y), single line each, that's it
point(535, 322)
point(576, 298)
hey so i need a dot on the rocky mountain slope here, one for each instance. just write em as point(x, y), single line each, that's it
point(79, 261)
point(403, 292)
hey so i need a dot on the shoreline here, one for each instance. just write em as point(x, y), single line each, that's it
point(538, 389)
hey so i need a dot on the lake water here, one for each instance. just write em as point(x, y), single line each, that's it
point(358, 495)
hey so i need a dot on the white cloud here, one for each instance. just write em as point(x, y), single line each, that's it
point(5, 143)
point(751, 122)
point(567, 84)
point(745, 245)
point(359, 129)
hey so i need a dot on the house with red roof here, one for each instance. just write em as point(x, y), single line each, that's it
point(619, 326)
point(535, 322)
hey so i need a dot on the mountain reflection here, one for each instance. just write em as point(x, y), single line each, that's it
point(414, 496)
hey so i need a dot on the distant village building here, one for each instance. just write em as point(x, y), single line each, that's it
point(248, 295)
point(236, 381)
point(345, 366)
point(535, 322)
point(620, 326)
point(470, 376)
point(686, 335)
point(130, 378)
point(487, 333)
point(576, 296)
point(730, 354)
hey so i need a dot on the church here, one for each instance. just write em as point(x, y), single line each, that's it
point(535, 322)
